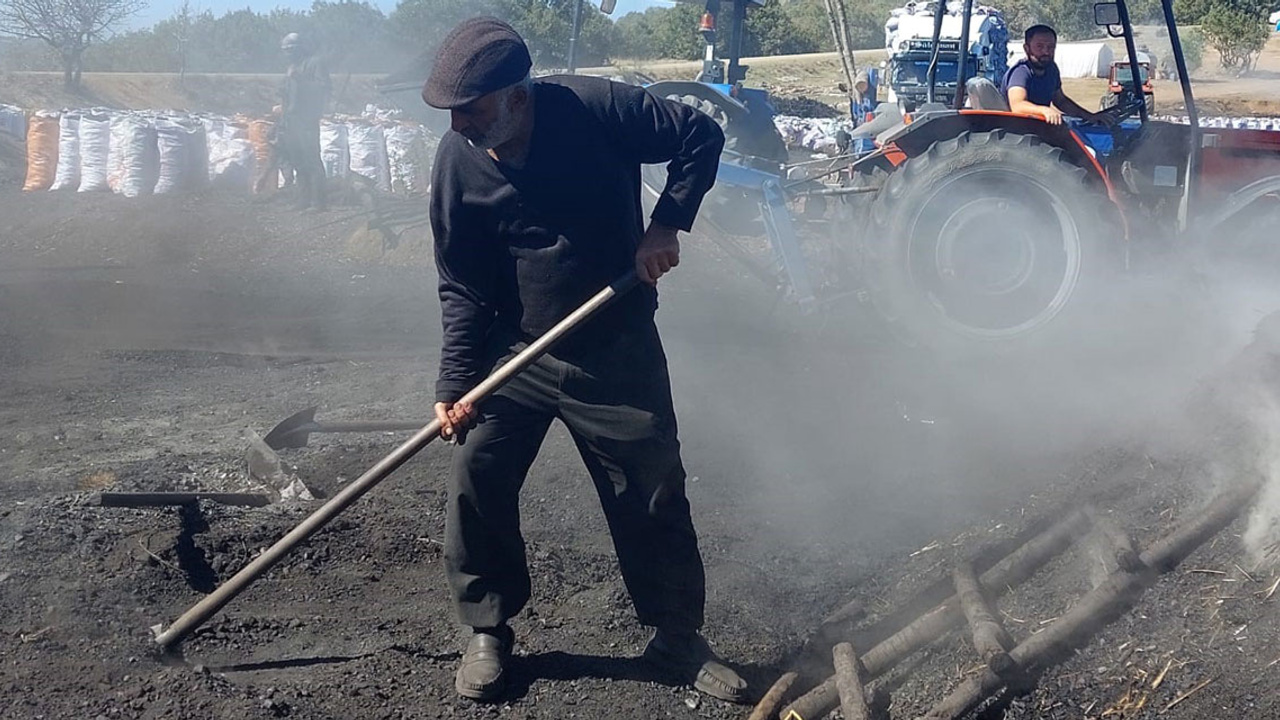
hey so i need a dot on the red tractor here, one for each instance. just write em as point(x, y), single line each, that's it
point(1120, 86)
point(972, 226)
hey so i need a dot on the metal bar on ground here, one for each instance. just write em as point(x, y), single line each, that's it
point(161, 499)
point(1115, 596)
point(853, 702)
point(203, 610)
point(1009, 572)
point(990, 638)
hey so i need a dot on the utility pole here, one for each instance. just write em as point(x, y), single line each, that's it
point(840, 34)
point(573, 38)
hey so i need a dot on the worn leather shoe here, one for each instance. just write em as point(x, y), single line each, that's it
point(481, 673)
point(690, 657)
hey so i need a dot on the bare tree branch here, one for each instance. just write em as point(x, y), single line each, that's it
point(68, 26)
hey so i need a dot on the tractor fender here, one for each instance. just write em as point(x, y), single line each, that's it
point(920, 133)
point(1238, 201)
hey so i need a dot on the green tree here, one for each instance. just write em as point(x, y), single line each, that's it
point(1191, 12)
point(662, 32)
point(1237, 30)
point(1192, 47)
point(772, 30)
point(424, 23)
point(546, 26)
point(809, 20)
point(351, 34)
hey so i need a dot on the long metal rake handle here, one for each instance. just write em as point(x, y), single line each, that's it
point(216, 600)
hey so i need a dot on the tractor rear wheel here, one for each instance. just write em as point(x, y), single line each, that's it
point(986, 237)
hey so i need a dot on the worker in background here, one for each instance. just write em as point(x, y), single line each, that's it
point(535, 207)
point(304, 98)
point(1033, 85)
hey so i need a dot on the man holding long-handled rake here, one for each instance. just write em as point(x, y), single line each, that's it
point(535, 205)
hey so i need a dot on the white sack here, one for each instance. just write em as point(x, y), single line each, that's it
point(95, 152)
point(13, 120)
point(230, 154)
point(334, 150)
point(67, 175)
point(408, 159)
point(176, 146)
point(368, 146)
point(134, 156)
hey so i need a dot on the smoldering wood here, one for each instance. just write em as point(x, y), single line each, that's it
point(848, 677)
point(990, 638)
point(1013, 570)
point(1102, 605)
point(815, 655)
point(943, 588)
point(767, 708)
point(159, 499)
point(850, 612)
point(1120, 544)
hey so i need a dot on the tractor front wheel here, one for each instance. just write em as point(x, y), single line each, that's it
point(985, 237)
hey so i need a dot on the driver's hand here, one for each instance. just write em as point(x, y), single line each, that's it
point(1053, 115)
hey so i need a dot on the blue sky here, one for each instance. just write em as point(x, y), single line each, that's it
point(161, 9)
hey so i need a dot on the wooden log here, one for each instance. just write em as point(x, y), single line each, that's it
point(767, 708)
point(1115, 596)
point(850, 612)
point(815, 655)
point(853, 702)
point(943, 588)
point(157, 499)
point(990, 638)
point(1009, 572)
point(1124, 554)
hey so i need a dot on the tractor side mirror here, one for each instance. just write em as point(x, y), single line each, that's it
point(1106, 13)
point(607, 6)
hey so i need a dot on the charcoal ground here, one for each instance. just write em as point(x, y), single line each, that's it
point(141, 340)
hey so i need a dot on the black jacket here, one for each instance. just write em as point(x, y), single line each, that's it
point(517, 250)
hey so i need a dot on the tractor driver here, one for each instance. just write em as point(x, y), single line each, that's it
point(1034, 86)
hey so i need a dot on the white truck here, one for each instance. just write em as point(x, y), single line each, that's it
point(908, 35)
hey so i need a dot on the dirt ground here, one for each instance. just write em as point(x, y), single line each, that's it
point(141, 340)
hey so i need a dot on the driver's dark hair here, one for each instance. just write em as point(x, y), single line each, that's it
point(1035, 30)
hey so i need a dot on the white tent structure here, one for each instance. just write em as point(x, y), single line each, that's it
point(1078, 60)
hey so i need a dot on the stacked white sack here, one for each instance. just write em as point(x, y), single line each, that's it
point(67, 176)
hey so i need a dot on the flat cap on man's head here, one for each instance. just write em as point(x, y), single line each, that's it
point(480, 55)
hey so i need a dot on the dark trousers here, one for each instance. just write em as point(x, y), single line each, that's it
point(617, 406)
point(300, 146)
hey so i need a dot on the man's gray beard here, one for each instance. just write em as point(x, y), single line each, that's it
point(503, 130)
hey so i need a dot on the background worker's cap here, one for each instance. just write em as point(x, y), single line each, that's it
point(479, 56)
point(290, 41)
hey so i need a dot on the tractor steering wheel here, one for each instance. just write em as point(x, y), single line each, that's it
point(1119, 113)
point(1122, 112)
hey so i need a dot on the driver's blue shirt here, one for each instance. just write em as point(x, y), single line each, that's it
point(1040, 88)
